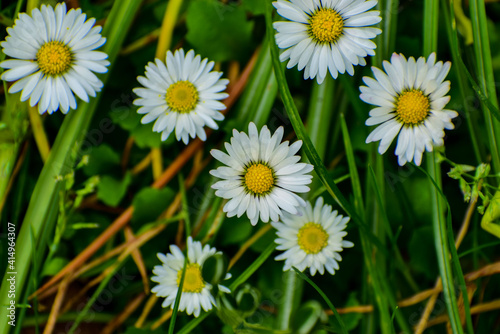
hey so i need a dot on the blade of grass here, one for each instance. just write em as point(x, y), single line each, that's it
point(430, 37)
point(454, 258)
point(471, 119)
point(400, 263)
point(255, 86)
point(485, 76)
point(266, 101)
point(177, 301)
point(64, 152)
point(308, 147)
point(325, 298)
point(185, 205)
point(381, 289)
point(236, 283)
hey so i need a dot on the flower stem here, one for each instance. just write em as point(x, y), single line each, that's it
point(292, 289)
point(485, 76)
point(39, 133)
point(431, 19)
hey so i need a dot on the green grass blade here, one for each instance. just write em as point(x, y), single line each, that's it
point(485, 76)
point(381, 289)
point(325, 298)
point(443, 244)
point(308, 147)
point(431, 20)
point(171, 325)
point(236, 283)
point(64, 152)
point(266, 101)
point(253, 267)
point(471, 119)
point(353, 170)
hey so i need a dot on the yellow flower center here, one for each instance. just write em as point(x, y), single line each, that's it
point(259, 179)
point(326, 25)
point(182, 96)
point(412, 107)
point(193, 281)
point(53, 58)
point(312, 238)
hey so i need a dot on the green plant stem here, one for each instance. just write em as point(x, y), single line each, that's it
point(431, 19)
point(387, 40)
point(465, 91)
point(62, 158)
point(326, 299)
point(307, 146)
point(321, 112)
point(382, 293)
point(289, 301)
point(266, 101)
point(255, 86)
point(485, 76)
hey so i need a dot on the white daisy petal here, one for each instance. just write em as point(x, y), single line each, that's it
point(410, 97)
point(326, 35)
point(45, 44)
point(196, 293)
point(185, 87)
point(310, 241)
point(261, 176)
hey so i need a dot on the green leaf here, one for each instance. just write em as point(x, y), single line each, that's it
point(102, 159)
point(307, 316)
point(235, 231)
point(54, 266)
point(149, 203)
point(111, 191)
point(217, 31)
point(145, 137)
point(127, 118)
point(351, 320)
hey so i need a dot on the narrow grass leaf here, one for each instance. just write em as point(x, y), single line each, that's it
point(325, 298)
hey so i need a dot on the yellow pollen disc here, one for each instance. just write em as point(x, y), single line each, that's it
point(326, 25)
point(193, 281)
point(182, 96)
point(53, 58)
point(412, 107)
point(259, 179)
point(312, 238)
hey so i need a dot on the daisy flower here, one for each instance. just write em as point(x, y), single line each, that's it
point(54, 58)
point(410, 98)
point(313, 240)
point(183, 95)
point(196, 293)
point(326, 35)
point(262, 175)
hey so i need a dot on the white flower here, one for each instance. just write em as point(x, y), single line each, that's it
point(313, 240)
point(262, 175)
point(54, 58)
point(183, 95)
point(410, 97)
point(196, 293)
point(326, 35)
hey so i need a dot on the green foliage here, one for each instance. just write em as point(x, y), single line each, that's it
point(111, 190)
point(218, 31)
point(402, 221)
point(102, 159)
point(149, 203)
